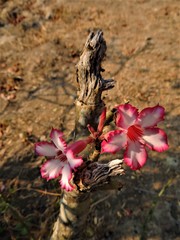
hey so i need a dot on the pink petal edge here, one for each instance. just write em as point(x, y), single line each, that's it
point(73, 161)
point(51, 169)
point(135, 155)
point(56, 137)
point(45, 149)
point(151, 116)
point(116, 140)
point(126, 115)
point(66, 177)
point(155, 139)
point(68, 187)
point(78, 146)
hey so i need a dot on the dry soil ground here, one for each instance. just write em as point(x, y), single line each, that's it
point(40, 43)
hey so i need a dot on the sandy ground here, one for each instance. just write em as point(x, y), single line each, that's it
point(40, 44)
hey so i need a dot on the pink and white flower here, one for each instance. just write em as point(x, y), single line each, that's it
point(136, 130)
point(62, 158)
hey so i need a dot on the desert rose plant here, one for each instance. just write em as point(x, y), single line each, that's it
point(75, 164)
point(135, 132)
point(62, 158)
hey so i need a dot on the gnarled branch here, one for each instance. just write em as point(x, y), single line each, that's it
point(91, 84)
point(92, 176)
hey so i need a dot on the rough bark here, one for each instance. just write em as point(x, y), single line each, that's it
point(92, 176)
point(74, 205)
point(89, 104)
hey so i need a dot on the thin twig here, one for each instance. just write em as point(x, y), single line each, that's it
point(40, 191)
point(99, 201)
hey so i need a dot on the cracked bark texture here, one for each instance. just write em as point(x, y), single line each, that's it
point(91, 176)
point(89, 104)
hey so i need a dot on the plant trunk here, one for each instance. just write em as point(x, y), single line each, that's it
point(91, 176)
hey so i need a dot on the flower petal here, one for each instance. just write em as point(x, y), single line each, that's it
point(56, 137)
point(46, 149)
point(73, 162)
point(102, 119)
point(135, 155)
point(155, 139)
point(149, 117)
point(126, 115)
point(115, 141)
point(51, 169)
point(66, 177)
point(79, 146)
point(91, 129)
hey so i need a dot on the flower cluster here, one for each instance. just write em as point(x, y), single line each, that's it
point(134, 132)
point(62, 158)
